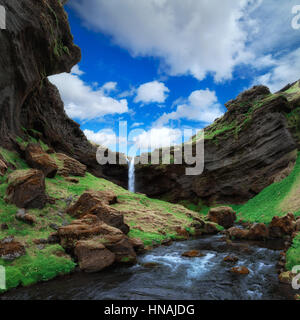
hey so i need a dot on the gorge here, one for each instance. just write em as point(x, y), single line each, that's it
point(61, 212)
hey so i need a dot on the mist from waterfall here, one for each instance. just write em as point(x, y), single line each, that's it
point(131, 175)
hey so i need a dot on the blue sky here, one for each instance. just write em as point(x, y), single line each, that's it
point(163, 66)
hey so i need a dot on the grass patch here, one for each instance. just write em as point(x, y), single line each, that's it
point(293, 254)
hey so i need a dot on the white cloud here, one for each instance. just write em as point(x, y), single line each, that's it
point(157, 138)
point(191, 37)
point(202, 106)
point(76, 70)
point(151, 92)
point(109, 86)
point(285, 70)
point(105, 137)
point(84, 102)
point(137, 124)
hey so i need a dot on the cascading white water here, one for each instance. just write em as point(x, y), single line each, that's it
point(131, 176)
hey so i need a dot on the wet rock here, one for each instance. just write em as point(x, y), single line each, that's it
point(25, 217)
point(258, 231)
point(97, 203)
point(242, 270)
point(182, 232)
point(93, 256)
point(150, 265)
point(282, 226)
point(138, 245)
point(237, 233)
point(223, 216)
point(192, 254)
point(166, 242)
point(71, 167)
point(11, 249)
point(232, 259)
point(26, 189)
point(38, 159)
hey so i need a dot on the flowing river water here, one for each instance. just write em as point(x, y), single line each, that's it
point(176, 277)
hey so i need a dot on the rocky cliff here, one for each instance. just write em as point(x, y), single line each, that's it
point(36, 44)
point(254, 144)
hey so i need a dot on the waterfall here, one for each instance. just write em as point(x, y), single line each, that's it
point(131, 176)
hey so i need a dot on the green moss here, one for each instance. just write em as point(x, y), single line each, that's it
point(293, 254)
point(267, 204)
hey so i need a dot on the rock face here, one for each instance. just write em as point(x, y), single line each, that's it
point(95, 244)
point(97, 203)
point(38, 159)
point(26, 189)
point(224, 216)
point(245, 151)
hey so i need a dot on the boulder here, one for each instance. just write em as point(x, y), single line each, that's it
point(210, 228)
point(70, 166)
point(11, 249)
point(88, 239)
point(26, 189)
point(37, 158)
point(242, 270)
point(237, 233)
point(93, 256)
point(258, 231)
point(297, 225)
point(192, 254)
point(282, 226)
point(223, 216)
point(97, 203)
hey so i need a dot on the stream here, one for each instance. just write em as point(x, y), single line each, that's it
point(176, 277)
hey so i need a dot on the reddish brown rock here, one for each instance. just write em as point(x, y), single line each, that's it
point(72, 180)
point(70, 166)
point(237, 233)
point(182, 232)
point(11, 249)
point(223, 216)
point(232, 259)
point(26, 189)
point(282, 226)
point(258, 231)
point(242, 270)
point(37, 158)
point(97, 203)
point(192, 254)
point(93, 256)
point(297, 227)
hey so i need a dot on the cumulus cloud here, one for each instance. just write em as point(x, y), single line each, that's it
point(285, 70)
point(158, 138)
point(105, 137)
point(201, 105)
point(152, 92)
point(191, 37)
point(84, 102)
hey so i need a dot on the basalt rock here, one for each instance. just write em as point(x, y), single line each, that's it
point(242, 154)
point(70, 166)
point(11, 249)
point(26, 189)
